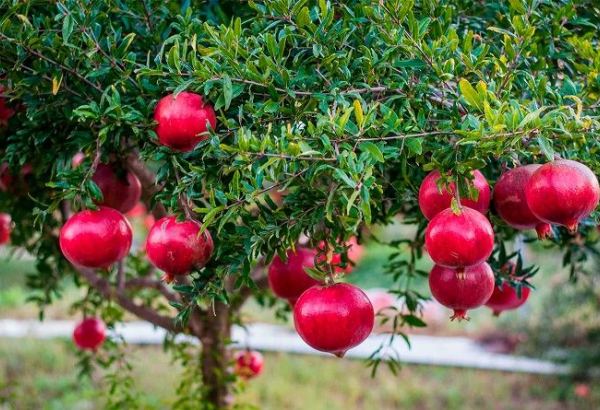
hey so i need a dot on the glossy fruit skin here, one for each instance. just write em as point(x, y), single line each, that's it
point(334, 318)
point(96, 238)
point(5, 228)
point(464, 290)
point(505, 297)
point(177, 247)
point(511, 204)
point(89, 334)
point(183, 120)
point(288, 280)
point(121, 192)
point(459, 240)
point(563, 192)
point(432, 201)
point(248, 364)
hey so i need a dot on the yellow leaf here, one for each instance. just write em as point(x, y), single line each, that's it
point(56, 82)
point(358, 113)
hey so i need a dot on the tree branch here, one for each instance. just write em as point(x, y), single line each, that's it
point(120, 296)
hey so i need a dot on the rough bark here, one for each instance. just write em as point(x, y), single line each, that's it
point(215, 357)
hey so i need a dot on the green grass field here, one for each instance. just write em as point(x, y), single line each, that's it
point(43, 375)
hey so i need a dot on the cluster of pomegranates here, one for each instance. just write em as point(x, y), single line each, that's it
point(460, 239)
point(331, 317)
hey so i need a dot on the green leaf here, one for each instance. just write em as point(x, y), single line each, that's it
point(470, 95)
point(67, 28)
point(345, 178)
point(372, 149)
point(303, 18)
point(532, 116)
point(546, 147)
point(415, 145)
point(227, 91)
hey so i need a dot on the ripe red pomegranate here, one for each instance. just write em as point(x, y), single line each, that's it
point(505, 297)
point(121, 191)
point(5, 228)
point(96, 239)
point(563, 192)
point(432, 201)
point(334, 318)
point(18, 184)
point(511, 204)
point(177, 247)
point(89, 334)
point(288, 280)
point(248, 364)
point(183, 120)
point(459, 240)
point(464, 290)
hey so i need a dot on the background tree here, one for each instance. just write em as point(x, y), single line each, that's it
point(344, 106)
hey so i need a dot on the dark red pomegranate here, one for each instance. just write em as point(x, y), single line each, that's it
point(6, 177)
point(432, 201)
point(5, 111)
point(462, 290)
point(96, 239)
point(183, 120)
point(458, 240)
point(89, 334)
point(505, 297)
point(510, 202)
point(563, 192)
point(120, 190)
point(334, 318)
point(178, 247)
point(248, 364)
point(5, 228)
point(288, 280)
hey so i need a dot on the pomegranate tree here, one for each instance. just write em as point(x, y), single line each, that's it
point(328, 124)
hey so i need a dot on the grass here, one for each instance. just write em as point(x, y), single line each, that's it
point(43, 375)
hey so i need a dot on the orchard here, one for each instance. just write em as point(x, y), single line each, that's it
point(267, 138)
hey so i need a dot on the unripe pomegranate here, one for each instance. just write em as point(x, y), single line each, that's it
point(288, 280)
point(5, 228)
point(183, 120)
point(458, 240)
point(178, 247)
point(462, 290)
point(77, 160)
point(248, 364)
point(432, 201)
point(334, 318)
point(505, 297)
point(511, 204)
point(121, 192)
point(89, 334)
point(96, 239)
point(563, 192)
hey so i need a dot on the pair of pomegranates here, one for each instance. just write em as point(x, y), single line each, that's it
point(332, 317)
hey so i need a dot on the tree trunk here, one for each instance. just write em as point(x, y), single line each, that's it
point(216, 332)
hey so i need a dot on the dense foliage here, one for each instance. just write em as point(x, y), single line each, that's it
point(342, 106)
